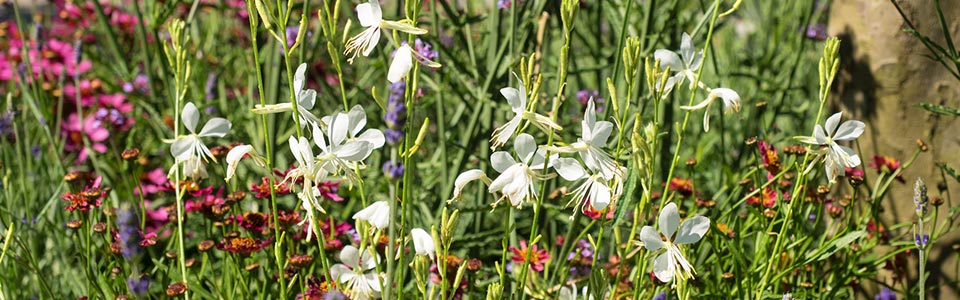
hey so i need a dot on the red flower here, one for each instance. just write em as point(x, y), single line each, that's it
point(537, 256)
point(91, 196)
point(243, 246)
point(887, 164)
point(682, 186)
point(769, 157)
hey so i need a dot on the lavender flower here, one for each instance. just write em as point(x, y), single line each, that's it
point(128, 233)
point(504, 4)
point(138, 286)
point(210, 86)
point(393, 170)
point(425, 50)
point(584, 96)
point(660, 296)
point(816, 32)
point(396, 116)
point(6, 125)
point(886, 294)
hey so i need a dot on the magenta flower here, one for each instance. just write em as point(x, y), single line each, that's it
point(90, 128)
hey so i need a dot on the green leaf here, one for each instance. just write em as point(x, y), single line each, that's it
point(834, 246)
point(629, 190)
point(940, 109)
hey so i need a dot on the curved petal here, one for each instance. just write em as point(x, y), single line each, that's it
point(401, 65)
point(706, 121)
point(850, 158)
point(306, 99)
point(216, 127)
point(358, 119)
point(525, 146)
point(849, 130)
point(731, 100)
point(234, 157)
point(367, 259)
point(668, 59)
point(338, 130)
point(663, 267)
point(183, 148)
point(373, 281)
point(686, 47)
point(350, 256)
point(463, 179)
point(599, 196)
point(369, 14)
point(341, 273)
point(570, 169)
point(600, 133)
point(372, 35)
point(832, 123)
point(668, 220)
point(299, 78)
point(422, 242)
point(190, 117)
point(353, 151)
point(589, 114)
point(692, 230)
point(509, 175)
point(501, 160)
point(651, 238)
point(514, 98)
point(374, 137)
point(819, 135)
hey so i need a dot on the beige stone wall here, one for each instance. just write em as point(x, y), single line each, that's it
point(884, 73)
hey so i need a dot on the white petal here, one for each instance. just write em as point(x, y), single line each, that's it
point(515, 98)
point(590, 114)
point(182, 148)
point(706, 121)
point(509, 175)
point(570, 169)
point(216, 127)
point(374, 137)
point(463, 179)
point(369, 13)
point(372, 38)
point(368, 260)
point(525, 146)
point(686, 47)
point(358, 119)
point(377, 214)
point(692, 230)
point(832, 123)
point(373, 281)
point(600, 133)
point(849, 130)
point(423, 242)
point(731, 100)
point(599, 196)
point(306, 99)
point(299, 78)
point(651, 238)
point(350, 255)
point(354, 151)
point(338, 130)
point(668, 59)
point(668, 220)
point(819, 135)
point(401, 65)
point(233, 159)
point(342, 273)
point(501, 160)
point(190, 116)
point(663, 267)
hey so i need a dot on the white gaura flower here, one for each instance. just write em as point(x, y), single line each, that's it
point(371, 17)
point(311, 172)
point(306, 98)
point(672, 261)
point(685, 64)
point(403, 62)
point(238, 153)
point(466, 177)
point(186, 146)
point(193, 167)
point(836, 156)
point(423, 242)
point(596, 190)
point(571, 293)
point(731, 102)
point(594, 135)
point(517, 98)
point(342, 145)
point(516, 180)
point(377, 214)
point(353, 272)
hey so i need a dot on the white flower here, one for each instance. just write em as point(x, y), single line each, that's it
point(672, 260)
point(236, 154)
point(311, 172)
point(731, 102)
point(423, 242)
point(836, 157)
point(306, 98)
point(193, 167)
point(377, 214)
point(597, 191)
point(344, 146)
point(353, 272)
point(187, 146)
point(403, 62)
point(371, 17)
point(594, 135)
point(517, 177)
point(518, 104)
point(685, 64)
point(466, 177)
point(571, 293)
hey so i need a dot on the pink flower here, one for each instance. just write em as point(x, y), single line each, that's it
point(153, 182)
point(537, 256)
point(91, 128)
